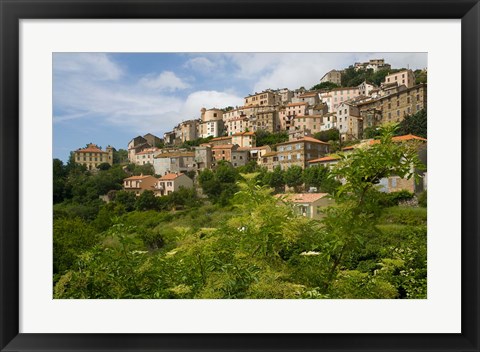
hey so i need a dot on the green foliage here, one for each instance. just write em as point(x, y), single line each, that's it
point(120, 156)
point(404, 216)
point(59, 179)
point(248, 243)
point(146, 201)
point(136, 170)
point(415, 124)
point(267, 138)
point(104, 166)
point(422, 199)
point(319, 176)
point(293, 177)
point(420, 76)
point(325, 85)
point(195, 142)
point(352, 78)
point(371, 132)
point(219, 184)
point(126, 199)
point(393, 198)
point(275, 179)
point(248, 168)
point(332, 134)
point(71, 237)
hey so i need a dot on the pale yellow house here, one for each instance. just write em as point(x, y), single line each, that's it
point(307, 204)
point(92, 156)
point(244, 139)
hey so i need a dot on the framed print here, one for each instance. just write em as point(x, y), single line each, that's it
point(206, 192)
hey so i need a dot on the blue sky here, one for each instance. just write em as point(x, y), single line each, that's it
point(110, 98)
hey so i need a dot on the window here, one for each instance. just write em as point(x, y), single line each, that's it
point(241, 157)
point(345, 111)
point(289, 157)
point(299, 156)
point(169, 184)
point(398, 112)
point(234, 157)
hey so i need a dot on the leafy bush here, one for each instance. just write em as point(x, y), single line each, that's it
point(404, 216)
point(422, 199)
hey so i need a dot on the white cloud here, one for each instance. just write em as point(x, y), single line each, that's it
point(208, 99)
point(97, 66)
point(293, 70)
point(166, 81)
point(202, 64)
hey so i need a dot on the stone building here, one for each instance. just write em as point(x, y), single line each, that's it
point(92, 156)
point(267, 97)
point(300, 151)
point(405, 77)
point(333, 76)
point(394, 107)
point(211, 123)
point(175, 162)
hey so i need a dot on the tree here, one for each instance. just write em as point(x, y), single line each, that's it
point(332, 134)
point(293, 177)
point(325, 85)
point(275, 179)
point(415, 124)
point(126, 199)
point(146, 201)
point(59, 176)
point(371, 132)
point(104, 166)
point(267, 138)
point(120, 156)
point(318, 176)
point(357, 205)
point(420, 76)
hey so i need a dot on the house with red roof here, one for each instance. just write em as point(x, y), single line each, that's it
point(307, 204)
point(139, 184)
point(172, 182)
point(92, 156)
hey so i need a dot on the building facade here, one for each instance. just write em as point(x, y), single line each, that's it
point(172, 182)
point(300, 151)
point(92, 156)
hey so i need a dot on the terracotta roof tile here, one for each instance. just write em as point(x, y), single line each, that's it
point(304, 139)
point(324, 159)
point(169, 177)
point(91, 148)
point(140, 177)
point(302, 197)
point(223, 146)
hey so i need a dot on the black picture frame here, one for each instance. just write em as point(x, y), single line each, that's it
point(12, 11)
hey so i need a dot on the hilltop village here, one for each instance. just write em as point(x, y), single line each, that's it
point(316, 193)
point(294, 117)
